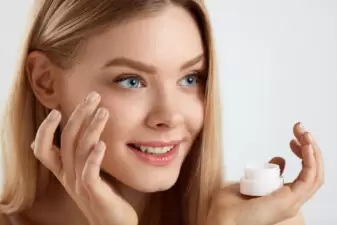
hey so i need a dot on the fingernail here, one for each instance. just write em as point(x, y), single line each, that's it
point(300, 125)
point(54, 114)
point(92, 97)
point(101, 113)
point(100, 146)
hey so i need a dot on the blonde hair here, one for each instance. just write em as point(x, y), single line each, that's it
point(58, 29)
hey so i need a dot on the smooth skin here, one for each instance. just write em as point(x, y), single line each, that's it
point(77, 167)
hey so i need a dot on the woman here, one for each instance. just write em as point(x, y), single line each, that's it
point(144, 146)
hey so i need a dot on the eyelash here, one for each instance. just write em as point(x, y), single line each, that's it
point(199, 75)
point(128, 77)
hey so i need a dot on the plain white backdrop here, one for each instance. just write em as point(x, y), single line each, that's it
point(278, 65)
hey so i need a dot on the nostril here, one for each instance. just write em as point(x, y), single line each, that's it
point(161, 125)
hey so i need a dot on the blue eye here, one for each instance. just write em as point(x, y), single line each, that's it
point(189, 80)
point(130, 82)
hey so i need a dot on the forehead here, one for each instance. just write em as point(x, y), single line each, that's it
point(166, 38)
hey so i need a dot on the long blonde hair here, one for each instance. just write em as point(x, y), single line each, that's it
point(58, 29)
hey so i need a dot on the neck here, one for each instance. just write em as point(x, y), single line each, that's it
point(57, 204)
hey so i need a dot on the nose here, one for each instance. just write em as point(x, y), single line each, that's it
point(165, 113)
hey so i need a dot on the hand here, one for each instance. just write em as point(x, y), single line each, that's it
point(77, 163)
point(229, 207)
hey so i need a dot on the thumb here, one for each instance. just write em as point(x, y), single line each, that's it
point(279, 161)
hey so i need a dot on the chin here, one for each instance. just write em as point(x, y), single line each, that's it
point(146, 181)
point(152, 184)
point(155, 187)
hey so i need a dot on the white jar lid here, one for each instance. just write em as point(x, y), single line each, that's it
point(261, 180)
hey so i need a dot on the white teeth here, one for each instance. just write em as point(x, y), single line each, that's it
point(155, 150)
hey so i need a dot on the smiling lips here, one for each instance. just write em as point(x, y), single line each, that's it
point(156, 153)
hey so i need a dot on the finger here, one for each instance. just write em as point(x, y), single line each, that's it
point(91, 170)
point(296, 148)
point(304, 137)
point(299, 132)
point(86, 122)
point(279, 161)
point(319, 179)
point(43, 145)
point(89, 139)
point(72, 130)
point(304, 182)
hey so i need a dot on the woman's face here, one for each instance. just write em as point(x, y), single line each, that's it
point(149, 73)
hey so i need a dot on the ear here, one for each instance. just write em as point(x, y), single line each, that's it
point(43, 77)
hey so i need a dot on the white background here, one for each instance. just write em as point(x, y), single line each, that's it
point(278, 64)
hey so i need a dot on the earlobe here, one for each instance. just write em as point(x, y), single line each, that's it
point(42, 76)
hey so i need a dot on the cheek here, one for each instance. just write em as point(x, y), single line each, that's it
point(195, 117)
point(192, 107)
point(70, 99)
point(124, 117)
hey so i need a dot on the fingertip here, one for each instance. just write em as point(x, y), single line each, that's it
point(280, 162)
point(99, 149)
point(91, 170)
point(305, 138)
point(100, 146)
point(310, 138)
point(296, 148)
point(277, 160)
point(97, 154)
point(297, 124)
point(54, 115)
point(298, 131)
point(298, 127)
point(294, 143)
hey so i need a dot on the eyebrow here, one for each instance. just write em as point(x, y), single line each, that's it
point(140, 66)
